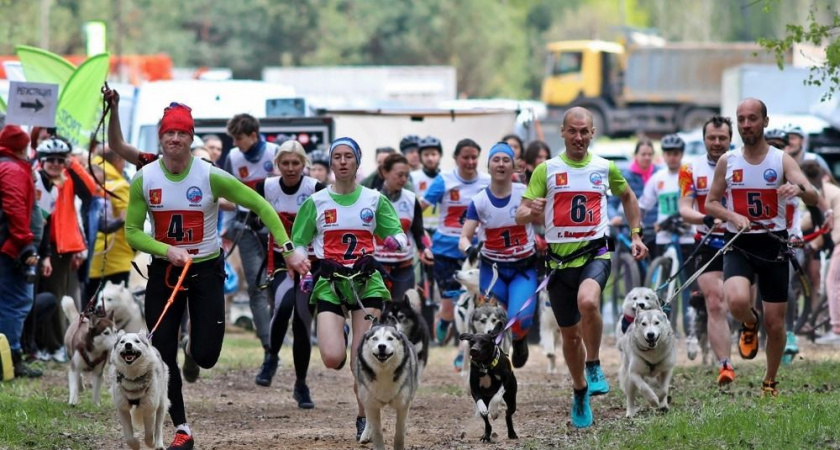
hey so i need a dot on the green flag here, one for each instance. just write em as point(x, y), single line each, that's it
point(2, 106)
point(80, 100)
point(41, 66)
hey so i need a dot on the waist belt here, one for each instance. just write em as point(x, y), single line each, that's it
point(521, 264)
point(590, 249)
point(398, 264)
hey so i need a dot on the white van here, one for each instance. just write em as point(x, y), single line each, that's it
point(207, 99)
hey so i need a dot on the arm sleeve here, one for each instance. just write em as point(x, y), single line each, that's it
point(224, 185)
point(686, 182)
point(417, 231)
point(303, 230)
point(617, 181)
point(472, 214)
point(648, 199)
point(537, 187)
point(134, 218)
point(387, 221)
point(435, 193)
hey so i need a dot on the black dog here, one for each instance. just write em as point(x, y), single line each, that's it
point(413, 325)
point(491, 370)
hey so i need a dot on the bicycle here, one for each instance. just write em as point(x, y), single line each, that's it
point(663, 275)
point(811, 317)
point(626, 271)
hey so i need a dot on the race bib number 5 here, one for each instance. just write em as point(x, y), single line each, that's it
point(346, 246)
point(577, 209)
point(756, 204)
point(179, 227)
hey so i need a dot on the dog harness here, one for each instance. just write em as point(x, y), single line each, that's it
point(142, 381)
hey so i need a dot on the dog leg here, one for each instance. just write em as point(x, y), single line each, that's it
point(124, 416)
point(630, 393)
point(149, 428)
point(160, 415)
point(399, 429)
point(644, 389)
point(374, 422)
point(488, 430)
point(74, 379)
point(665, 386)
point(96, 385)
point(510, 400)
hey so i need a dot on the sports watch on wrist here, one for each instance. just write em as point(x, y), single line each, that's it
point(636, 231)
point(288, 247)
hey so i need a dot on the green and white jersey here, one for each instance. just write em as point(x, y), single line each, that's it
point(662, 191)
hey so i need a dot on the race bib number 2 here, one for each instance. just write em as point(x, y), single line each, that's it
point(345, 246)
point(756, 204)
point(577, 209)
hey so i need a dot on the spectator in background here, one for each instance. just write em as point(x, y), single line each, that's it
point(110, 239)
point(637, 176)
point(430, 150)
point(36, 136)
point(516, 144)
point(18, 252)
point(213, 144)
point(320, 167)
point(375, 180)
point(410, 148)
point(796, 148)
point(535, 154)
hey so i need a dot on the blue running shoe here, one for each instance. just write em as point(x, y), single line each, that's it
point(791, 347)
point(598, 384)
point(442, 330)
point(459, 362)
point(581, 412)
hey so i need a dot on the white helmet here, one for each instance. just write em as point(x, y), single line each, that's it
point(53, 146)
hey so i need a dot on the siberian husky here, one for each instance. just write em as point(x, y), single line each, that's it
point(117, 298)
point(387, 373)
point(549, 331)
point(409, 321)
point(637, 300)
point(88, 341)
point(139, 383)
point(648, 358)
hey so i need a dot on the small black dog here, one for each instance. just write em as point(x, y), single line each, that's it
point(413, 325)
point(490, 371)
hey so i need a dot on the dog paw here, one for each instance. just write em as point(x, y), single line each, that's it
point(512, 435)
point(486, 438)
point(365, 438)
point(149, 440)
point(133, 443)
point(481, 408)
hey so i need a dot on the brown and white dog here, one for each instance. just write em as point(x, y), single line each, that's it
point(88, 341)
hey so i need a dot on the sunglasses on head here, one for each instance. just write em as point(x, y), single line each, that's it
point(177, 105)
point(55, 160)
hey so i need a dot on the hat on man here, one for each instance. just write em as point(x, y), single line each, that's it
point(14, 138)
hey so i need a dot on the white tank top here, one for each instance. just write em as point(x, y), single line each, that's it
point(252, 173)
point(287, 205)
point(751, 190)
point(44, 198)
point(503, 239)
point(404, 206)
point(576, 207)
point(421, 183)
point(702, 174)
point(183, 213)
point(456, 199)
point(345, 233)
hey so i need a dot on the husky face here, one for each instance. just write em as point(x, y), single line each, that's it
point(640, 299)
point(131, 347)
point(651, 326)
point(403, 314)
point(485, 318)
point(382, 343)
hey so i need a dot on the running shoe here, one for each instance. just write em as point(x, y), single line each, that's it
point(60, 355)
point(791, 346)
point(268, 369)
point(301, 395)
point(459, 362)
point(190, 369)
point(360, 427)
point(182, 441)
point(581, 412)
point(441, 330)
point(748, 339)
point(726, 374)
point(827, 339)
point(598, 384)
point(768, 388)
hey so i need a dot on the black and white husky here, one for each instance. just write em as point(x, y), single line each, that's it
point(387, 373)
point(406, 313)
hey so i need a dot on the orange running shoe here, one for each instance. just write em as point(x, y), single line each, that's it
point(748, 339)
point(726, 374)
point(768, 388)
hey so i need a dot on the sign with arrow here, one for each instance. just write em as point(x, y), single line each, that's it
point(32, 104)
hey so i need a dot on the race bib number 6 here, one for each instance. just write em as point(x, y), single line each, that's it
point(577, 209)
point(455, 216)
point(756, 204)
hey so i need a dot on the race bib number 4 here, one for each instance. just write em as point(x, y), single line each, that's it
point(577, 209)
point(346, 246)
point(502, 239)
point(455, 216)
point(179, 227)
point(756, 204)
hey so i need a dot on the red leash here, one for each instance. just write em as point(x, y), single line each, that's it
point(175, 289)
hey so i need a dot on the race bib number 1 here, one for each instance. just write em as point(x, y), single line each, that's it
point(501, 239)
point(577, 209)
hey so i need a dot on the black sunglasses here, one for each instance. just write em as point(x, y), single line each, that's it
point(55, 160)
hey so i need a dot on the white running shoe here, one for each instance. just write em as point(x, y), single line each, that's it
point(830, 338)
point(60, 355)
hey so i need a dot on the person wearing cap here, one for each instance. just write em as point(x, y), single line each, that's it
point(180, 194)
point(452, 191)
point(796, 148)
point(286, 193)
point(18, 251)
point(346, 217)
point(507, 269)
point(410, 148)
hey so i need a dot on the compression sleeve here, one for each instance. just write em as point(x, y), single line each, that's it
point(224, 185)
point(537, 187)
point(617, 182)
point(135, 216)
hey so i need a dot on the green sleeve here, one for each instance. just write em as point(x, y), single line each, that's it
point(387, 221)
point(135, 216)
point(537, 186)
point(303, 230)
point(226, 186)
point(617, 182)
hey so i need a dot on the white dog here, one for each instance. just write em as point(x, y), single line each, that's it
point(549, 331)
point(637, 300)
point(648, 358)
point(88, 341)
point(117, 298)
point(468, 276)
point(139, 381)
point(387, 373)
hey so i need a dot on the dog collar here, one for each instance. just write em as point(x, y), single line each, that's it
point(485, 368)
point(95, 362)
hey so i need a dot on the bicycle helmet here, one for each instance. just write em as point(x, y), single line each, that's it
point(412, 141)
point(777, 135)
point(672, 142)
point(319, 157)
point(431, 142)
point(795, 129)
point(53, 146)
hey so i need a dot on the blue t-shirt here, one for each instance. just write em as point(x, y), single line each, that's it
point(443, 245)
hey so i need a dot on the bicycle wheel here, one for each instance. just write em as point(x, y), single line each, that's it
point(658, 272)
point(626, 276)
point(803, 302)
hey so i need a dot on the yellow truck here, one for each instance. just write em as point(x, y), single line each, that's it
point(649, 88)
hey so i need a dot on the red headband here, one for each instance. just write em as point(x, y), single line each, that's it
point(177, 117)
